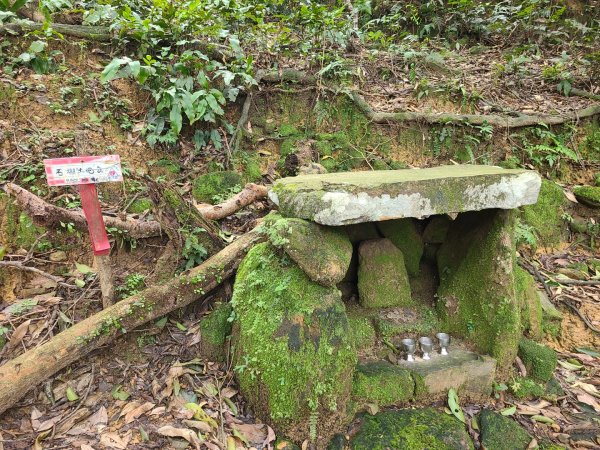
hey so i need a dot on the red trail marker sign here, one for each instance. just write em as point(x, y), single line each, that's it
point(85, 172)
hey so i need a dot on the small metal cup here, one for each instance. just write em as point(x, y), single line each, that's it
point(426, 346)
point(444, 339)
point(409, 348)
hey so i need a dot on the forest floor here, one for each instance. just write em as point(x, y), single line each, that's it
point(132, 394)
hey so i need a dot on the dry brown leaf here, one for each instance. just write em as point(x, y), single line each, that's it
point(184, 433)
point(198, 425)
point(228, 392)
point(87, 447)
point(113, 440)
point(137, 412)
point(270, 438)
point(71, 421)
point(588, 399)
point(17, 336)
point(255, 433)
point(589, 388)
point(157, 411)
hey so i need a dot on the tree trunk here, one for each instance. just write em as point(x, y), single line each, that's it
point(21, 374)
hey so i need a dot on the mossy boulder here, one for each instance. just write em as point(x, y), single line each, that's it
point(545, 216)
point(588, 195)
point(416, 322)
point(214, 330)
point(526, 388)
point(436, 229)
point(382, 276)
point(499, 432)
point(382, 383)
point(531, 307)
point(404, 234)
point(292, 346)
point(540, 361)
point(140, 206)
point(477, 295)
point(411, 429)
point(362, 331)
point(322, 252)
point(361, 231)
point(214, 187)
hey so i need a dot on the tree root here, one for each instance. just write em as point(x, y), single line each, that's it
point(499, 121)
point(251, 193)
point(21, 374)
point(18, 265)
point(47, 215)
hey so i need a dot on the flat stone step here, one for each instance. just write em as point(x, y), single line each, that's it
point(354, 197)
point(470, 374)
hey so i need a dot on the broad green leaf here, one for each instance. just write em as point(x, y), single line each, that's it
point(118, 393)
point(176, 118)
point(587, 351)
point(455, 406)
point(569, 366)
point(180, 326)
point(37, 46)
point(509, 411)
point(542, 419)
point(71, 394)
point(231, 406)
point(84, 269)
point(161, 322)
point(79, 283)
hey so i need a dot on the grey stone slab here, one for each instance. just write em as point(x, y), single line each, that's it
point(355, 197)
point(470, 374)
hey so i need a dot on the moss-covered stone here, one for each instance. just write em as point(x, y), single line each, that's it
point(436, 229)
point(382, 383)
point(420, 321)
point(540, 361)
point(411, 429)
point(140, 205)
point(404, 234)
point(526, 388)
point(293, 355)
point(531, 308)
point(362, 331)
point(215, 187)
point(322, 252)
point(477, 298)
point(545, 216)
point(214, 329)
point(588, 195)
point(382, 277)
point(499, 432)
point(361, 231)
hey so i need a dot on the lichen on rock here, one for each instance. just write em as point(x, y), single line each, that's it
point(323, 253)
point(382, 276)
point(411, 429)
point(292, 351)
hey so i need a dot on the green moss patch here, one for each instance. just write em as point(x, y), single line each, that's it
point(588, 195)
point(214, 187)
point(411, 429)
point(362, 331)
point(214, 329)
point(545, 216)
point(322, 252)
point(526, 388)
point(140, 205)
point(382, 383)
point(293, 355)
point(531, 307)
point(476, 295)
point(540, 361)
point(499, 432)
point(382, 277)
point(404, 234)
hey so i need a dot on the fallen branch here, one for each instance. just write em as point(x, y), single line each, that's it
point(19, 266)
point(101, 34)
point(251, 193)
point(47, 215)
point(21, 374)
point(522, 120)
point(584, 94)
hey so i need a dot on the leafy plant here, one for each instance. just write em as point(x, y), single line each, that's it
point(193, 251)
point(7, 6)
point(37, 58)
point(132, 285)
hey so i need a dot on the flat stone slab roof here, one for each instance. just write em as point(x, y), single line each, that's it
point(353, 197)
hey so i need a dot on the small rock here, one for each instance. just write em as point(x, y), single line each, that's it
point(311, 168)
point(404, 234)
point(382, 383)
point(588, 195)
point(540, 361)
point(499, 432)
point(382, 276)
point(58, 256)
